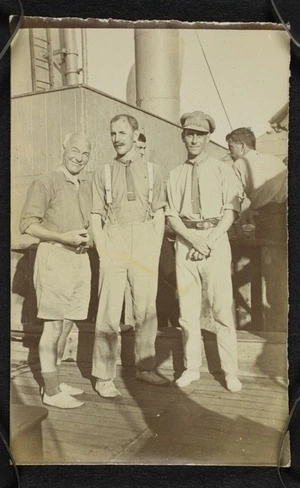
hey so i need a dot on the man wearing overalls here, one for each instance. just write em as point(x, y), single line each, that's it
point(128, 226)
point(202, 205)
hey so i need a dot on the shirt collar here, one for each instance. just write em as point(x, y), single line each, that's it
point(72, 178)
point(201, 158)
point(132, 156)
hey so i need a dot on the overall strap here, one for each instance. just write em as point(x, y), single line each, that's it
point(149, 213)
point(151, 181)
point(108, 195)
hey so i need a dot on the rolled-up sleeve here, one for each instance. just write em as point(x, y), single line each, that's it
point(98, 194)
point(171, 210)
point(231, 189)
point(35, 205)
point(159, 191)
point(239, 170)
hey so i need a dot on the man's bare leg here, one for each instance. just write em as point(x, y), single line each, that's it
point(61, 346)
point(48, 347)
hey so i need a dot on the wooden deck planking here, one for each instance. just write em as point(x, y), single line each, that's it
point(203, 423)
point(253, 386)
point(211, 398)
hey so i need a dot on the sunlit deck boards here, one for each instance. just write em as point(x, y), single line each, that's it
point(202, 424)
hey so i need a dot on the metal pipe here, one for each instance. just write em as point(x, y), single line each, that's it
point(158, 71)
point(32, 60)
point(50, 58)
point(71, 57)
point(85, 77)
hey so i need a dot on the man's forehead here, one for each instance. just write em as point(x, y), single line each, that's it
point(122, 122)
point(77, 140)
point(195, 131)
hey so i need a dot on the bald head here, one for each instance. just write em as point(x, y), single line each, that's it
point(76, 135)
point(77, 149)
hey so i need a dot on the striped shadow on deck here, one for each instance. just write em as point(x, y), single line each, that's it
point(202, 424)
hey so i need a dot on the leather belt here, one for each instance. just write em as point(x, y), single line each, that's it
point(201, 224)
point(77, 250)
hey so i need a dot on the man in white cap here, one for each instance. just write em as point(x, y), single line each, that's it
point(203, 203)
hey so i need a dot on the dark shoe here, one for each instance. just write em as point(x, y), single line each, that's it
point(151, 377)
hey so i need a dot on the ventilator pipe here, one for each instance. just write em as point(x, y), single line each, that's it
point(71, 57)
point(158, 72)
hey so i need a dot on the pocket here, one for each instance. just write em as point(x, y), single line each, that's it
point(50, 258)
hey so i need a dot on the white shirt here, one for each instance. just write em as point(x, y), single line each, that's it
point(218, 188)
point(263, 177)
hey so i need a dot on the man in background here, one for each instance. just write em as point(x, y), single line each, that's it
point(264, 181)
point(141, 144)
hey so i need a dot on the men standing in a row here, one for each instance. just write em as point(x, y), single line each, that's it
point(202, 205)
point(57, 211)
point(264, 181)
point(128, 226)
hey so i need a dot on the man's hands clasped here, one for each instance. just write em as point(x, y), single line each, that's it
point(200, 250)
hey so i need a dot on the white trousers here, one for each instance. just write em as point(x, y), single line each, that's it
point(131, 255)
point(209, 278)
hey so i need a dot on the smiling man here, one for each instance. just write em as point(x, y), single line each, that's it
point(202, 204)
point(57, 212)
point(128, 227)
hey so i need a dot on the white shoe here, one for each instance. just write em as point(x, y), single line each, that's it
point(187, 377)
point(70, 390)
point(107, 389)
point(61, 400)
point(233, 383)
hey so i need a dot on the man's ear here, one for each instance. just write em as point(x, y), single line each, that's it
point(136, 135)
point(182, 136)
point(207, 137)
point(243, 146)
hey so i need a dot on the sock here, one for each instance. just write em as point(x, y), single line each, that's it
point(51, 383)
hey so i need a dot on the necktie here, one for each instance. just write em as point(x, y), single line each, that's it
point(129, 182)
point(195, 191)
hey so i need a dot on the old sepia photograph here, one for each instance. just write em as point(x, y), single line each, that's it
point(149, 275)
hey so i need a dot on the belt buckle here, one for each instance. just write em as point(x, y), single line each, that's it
point(199, 225)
